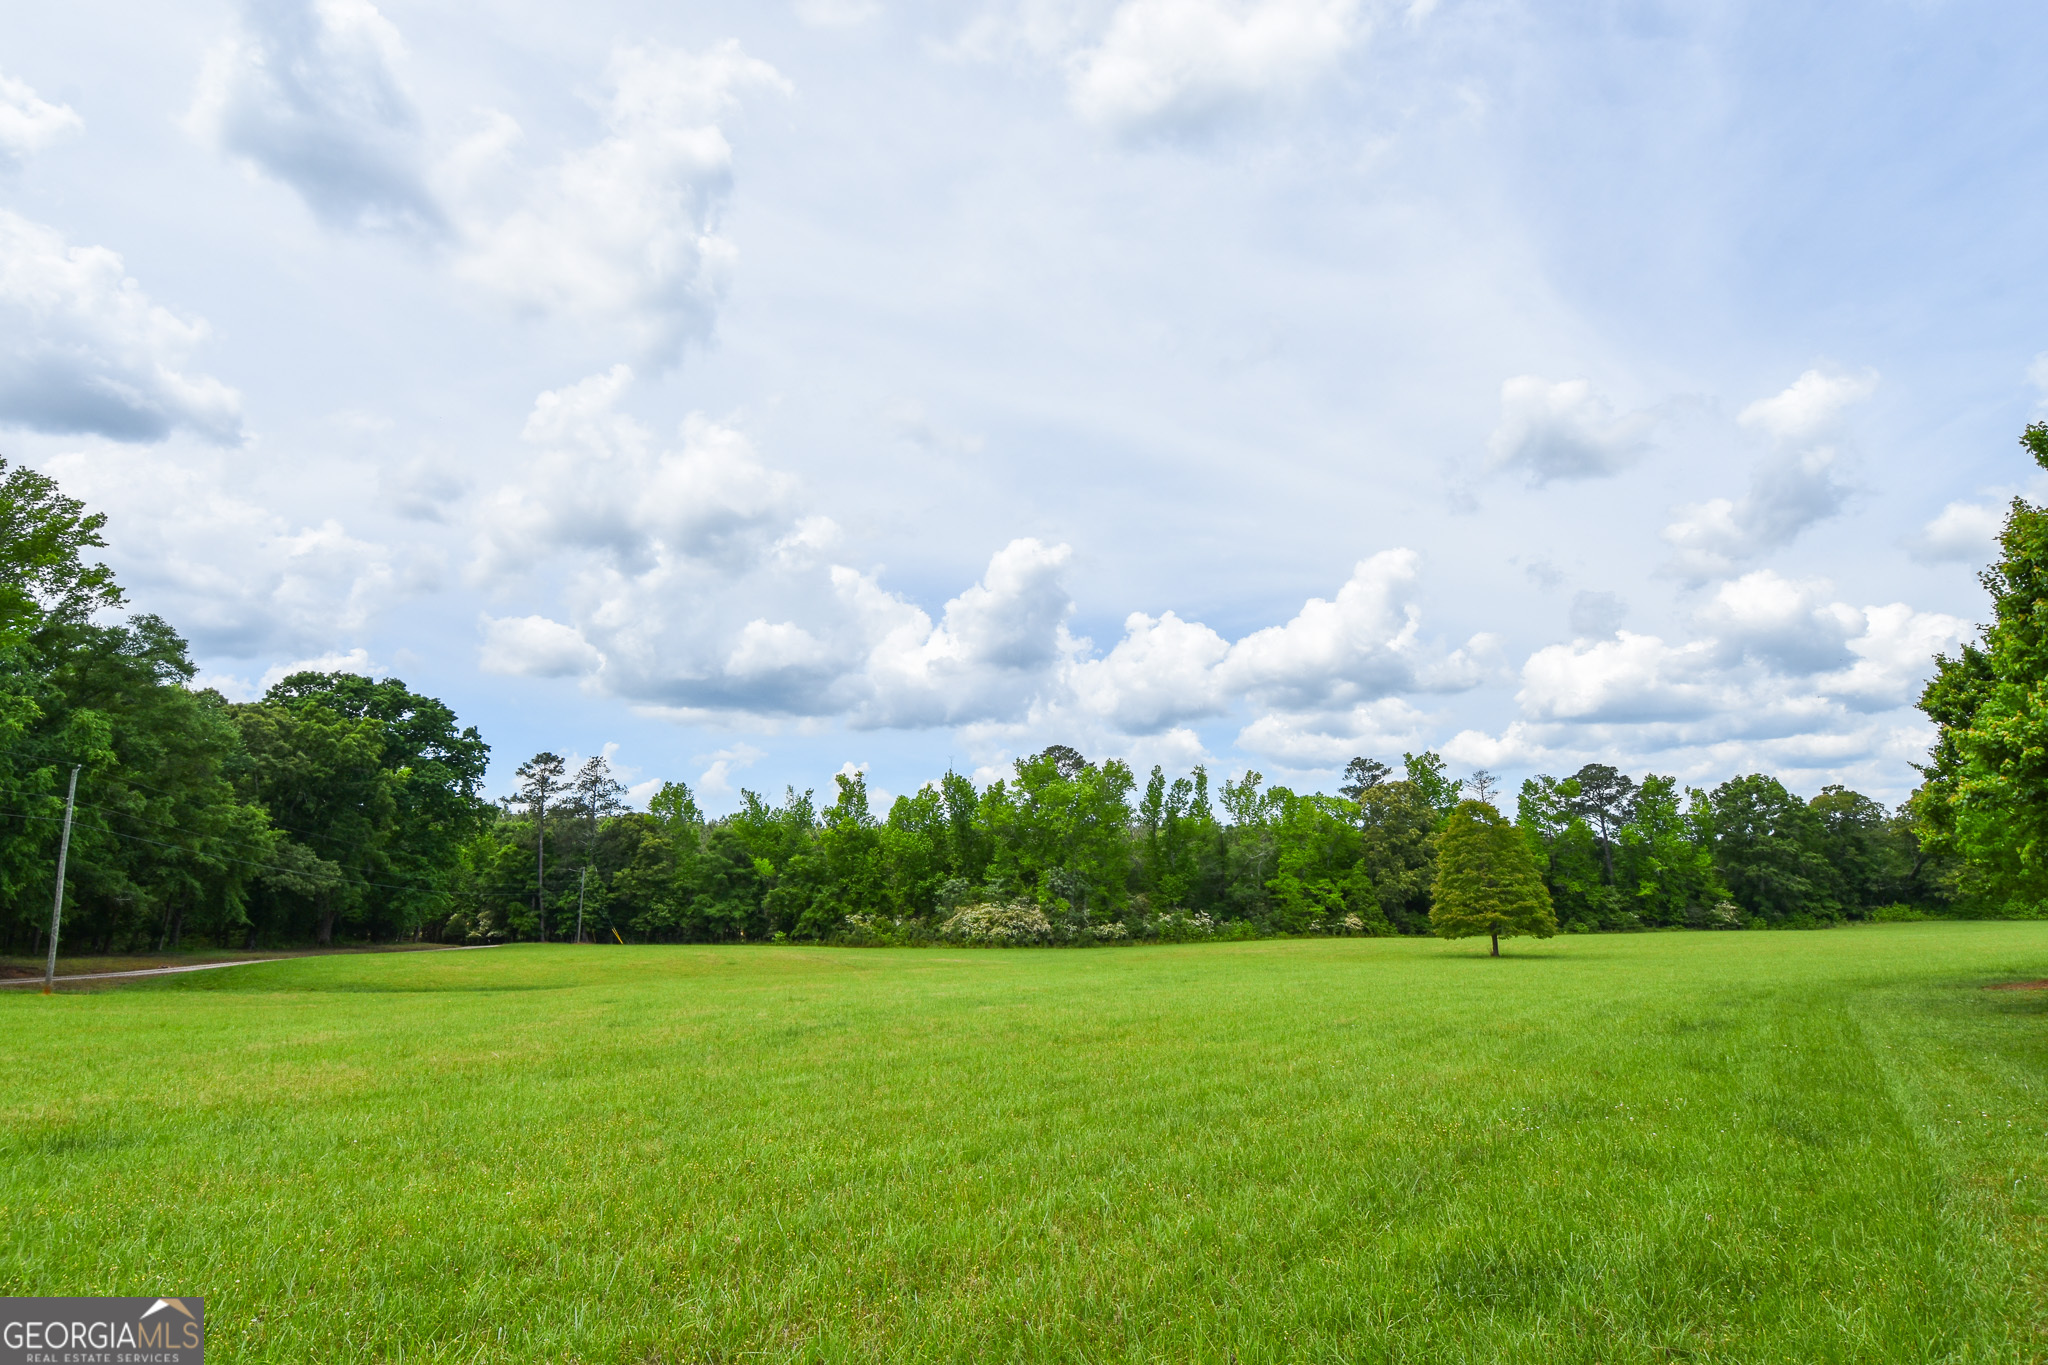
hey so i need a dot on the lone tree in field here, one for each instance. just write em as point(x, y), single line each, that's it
point(1486, 880)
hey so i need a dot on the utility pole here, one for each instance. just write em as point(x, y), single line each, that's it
point(580, 881)
point(57, 901)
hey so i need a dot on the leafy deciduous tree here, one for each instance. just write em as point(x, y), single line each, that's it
point(1486, 880)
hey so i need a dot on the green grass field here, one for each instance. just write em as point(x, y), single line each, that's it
point(1702, 1147)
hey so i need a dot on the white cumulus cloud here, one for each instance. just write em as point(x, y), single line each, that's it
point(1790, 626)
point(1162, 671)
point(1894, 653)
point(1557, 432)
point(535, 647)
point(1326, 738)
point(1809, 406)
point(1776, 659)
point(623, 233)
point(308, 92)
point(1784, 498)
point(716, 780)
point(238, 578)
point(1165, 62)
point(29, 123)
point(1797, 486)
point(1965, 531)
point(697, 584)
point(992, 655)
point(1629, 678)
point(83, 349)
point(601, 484)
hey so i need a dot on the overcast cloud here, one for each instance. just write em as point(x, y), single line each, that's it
point(756, 389)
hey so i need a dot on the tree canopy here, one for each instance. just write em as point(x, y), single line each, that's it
point(1486, 880)
point(1986, 795)
point(333, 798)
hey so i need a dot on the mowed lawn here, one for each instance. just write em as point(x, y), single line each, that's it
point(1702, 1147)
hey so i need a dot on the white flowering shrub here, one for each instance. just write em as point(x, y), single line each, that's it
point(1178, 927)
point(998, 926)
point(881, 931)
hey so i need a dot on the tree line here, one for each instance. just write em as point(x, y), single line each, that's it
point(335, 803)
point(340, 806)
point(1069, 850)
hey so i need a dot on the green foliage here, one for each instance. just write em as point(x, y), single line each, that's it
point(1182, 856)
point(1425, 772)
point(1107, 864)
point(381, 786)
point(1320, 882)
point(334, 797)
point(43, 539)
point(1769, 851)
point(1486, 880)
point(1397, 850)
point(1985, 801)
point(1665, 858)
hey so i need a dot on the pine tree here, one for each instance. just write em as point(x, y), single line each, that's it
point(1486, 880)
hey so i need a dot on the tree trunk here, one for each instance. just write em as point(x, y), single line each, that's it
point(325, 936)
point(177, 927)
point(1496, 945)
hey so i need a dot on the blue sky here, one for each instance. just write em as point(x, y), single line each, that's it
point(751, 390)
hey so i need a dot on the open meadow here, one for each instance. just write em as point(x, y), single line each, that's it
point(1821, 1146)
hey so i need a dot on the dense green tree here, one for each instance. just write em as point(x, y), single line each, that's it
point(1397, 849)
point(1769, 850)
point(1986, 794)
point(1567, 852)
point(1425, 773)
point(1362, 775)
point(1861, 841)
point(48, 580)
point(1181, 859)
point(1250, 847)
point(1060, 830)
point(914, 843)
point(1666, 859)
point(379, 782)
point(1603, 799)
point(1319, 880)
point(1486, 880)
point(1076, 843)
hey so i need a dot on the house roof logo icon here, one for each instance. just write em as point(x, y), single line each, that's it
point(162, 1304)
